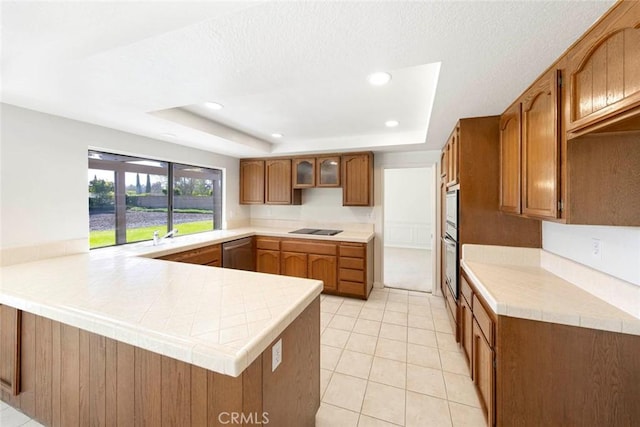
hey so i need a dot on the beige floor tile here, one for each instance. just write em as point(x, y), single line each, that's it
point(422, 337)
point(398, 291)
point(389, 372)
point(421, 355)
point(422, 299)
point(355, 364)
point(446, 341)
point(362, 343)
point(426, 381)
point(401, 307)
point(327, 306)
point(325, 376)
point(423, 410)
point(454, 361)
point(345, 391)
point(366, 421)
point(395, 297)
point(378, 304)
point(384, 402)
point(353, 301)
point(460, 389)
point(334, 337)
point(391, 349)
point(332, 416)
point(371, 314)
point(423, 309)
point(329, 357)
point(342, 322)
point(393, 332)
point(349, 310)
point(367, 327)
point(325, 318)
point(439, 311)
point(442, 325)
point(395, 317)
point(420, 322)
point(466, 416)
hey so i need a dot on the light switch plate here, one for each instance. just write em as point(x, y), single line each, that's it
point(276, 355)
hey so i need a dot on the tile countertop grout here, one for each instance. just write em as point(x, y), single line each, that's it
point(103, 292)
point(530, 292)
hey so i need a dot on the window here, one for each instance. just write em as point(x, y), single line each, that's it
point(130, 198)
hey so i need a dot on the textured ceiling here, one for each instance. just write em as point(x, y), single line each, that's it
point(296, 68)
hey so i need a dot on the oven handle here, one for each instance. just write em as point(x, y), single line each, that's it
point(449, 241)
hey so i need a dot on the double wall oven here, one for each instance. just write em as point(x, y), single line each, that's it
point(450, 239)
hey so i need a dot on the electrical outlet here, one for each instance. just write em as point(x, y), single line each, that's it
point(276, 355)
point(596, 248)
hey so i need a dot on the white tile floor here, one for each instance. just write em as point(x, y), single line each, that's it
point(392, 361)
point(388, 361)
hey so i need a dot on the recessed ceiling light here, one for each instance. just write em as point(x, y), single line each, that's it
point(380, 78)
point(391, 123)
point(169, 135)
point(276, 135)
point(213, 105)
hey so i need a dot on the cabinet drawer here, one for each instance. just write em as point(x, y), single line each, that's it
point(309, 247)
point(351, 288)
point(352, 251)
point(269, 244)
point(202, 256)
point(465, 289)
point(353, 263)
point(351, 275)
point(484, 320)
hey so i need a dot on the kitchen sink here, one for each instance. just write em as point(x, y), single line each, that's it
point(316, 231)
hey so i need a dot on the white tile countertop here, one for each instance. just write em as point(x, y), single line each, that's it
point(537, 285)
point(218, 319)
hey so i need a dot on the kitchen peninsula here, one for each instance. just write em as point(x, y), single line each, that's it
point(114, 336)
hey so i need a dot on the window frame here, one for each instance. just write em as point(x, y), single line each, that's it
point(120, 168)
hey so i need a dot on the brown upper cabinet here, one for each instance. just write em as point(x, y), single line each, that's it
point(605, 72)
point(278, 186)
point(540, 147)
point(510, 159)
point(452, 151)
point(328, 171)
point(251, 182)
point(304, 172)
point(357, 179)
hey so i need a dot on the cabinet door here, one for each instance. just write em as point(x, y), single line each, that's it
point(357, 175)
point(540, 147)
point(268, 261)
point(510, 160)
point(466, 329)
point(452, 150)
point(328, 170)
point(251, 182)
point(484, 372)
point(605, 70)
point(324, 267)
point(293, 264)
point(278, 190)
point(304, 173)
point(10, 350)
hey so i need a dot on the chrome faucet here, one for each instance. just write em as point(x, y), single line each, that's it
point(158, 240)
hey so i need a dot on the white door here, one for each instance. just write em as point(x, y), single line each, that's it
point(408, 228)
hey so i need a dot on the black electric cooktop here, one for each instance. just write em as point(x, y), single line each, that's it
point(316, 232)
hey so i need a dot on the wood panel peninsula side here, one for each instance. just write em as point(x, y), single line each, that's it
point(92, 340)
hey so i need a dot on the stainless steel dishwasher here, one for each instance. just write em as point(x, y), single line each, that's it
point(239, 254)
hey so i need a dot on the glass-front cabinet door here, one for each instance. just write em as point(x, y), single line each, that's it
point(328, 171)
point(304, 173)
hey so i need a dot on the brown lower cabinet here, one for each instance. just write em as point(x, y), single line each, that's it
point(208, 255)
point(71, 377)
point(534, 373)
point(345, 268)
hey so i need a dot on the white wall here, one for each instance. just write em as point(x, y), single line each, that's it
point(319, 206)
point(619, 247)
point(43, 176)
point(408, 207)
